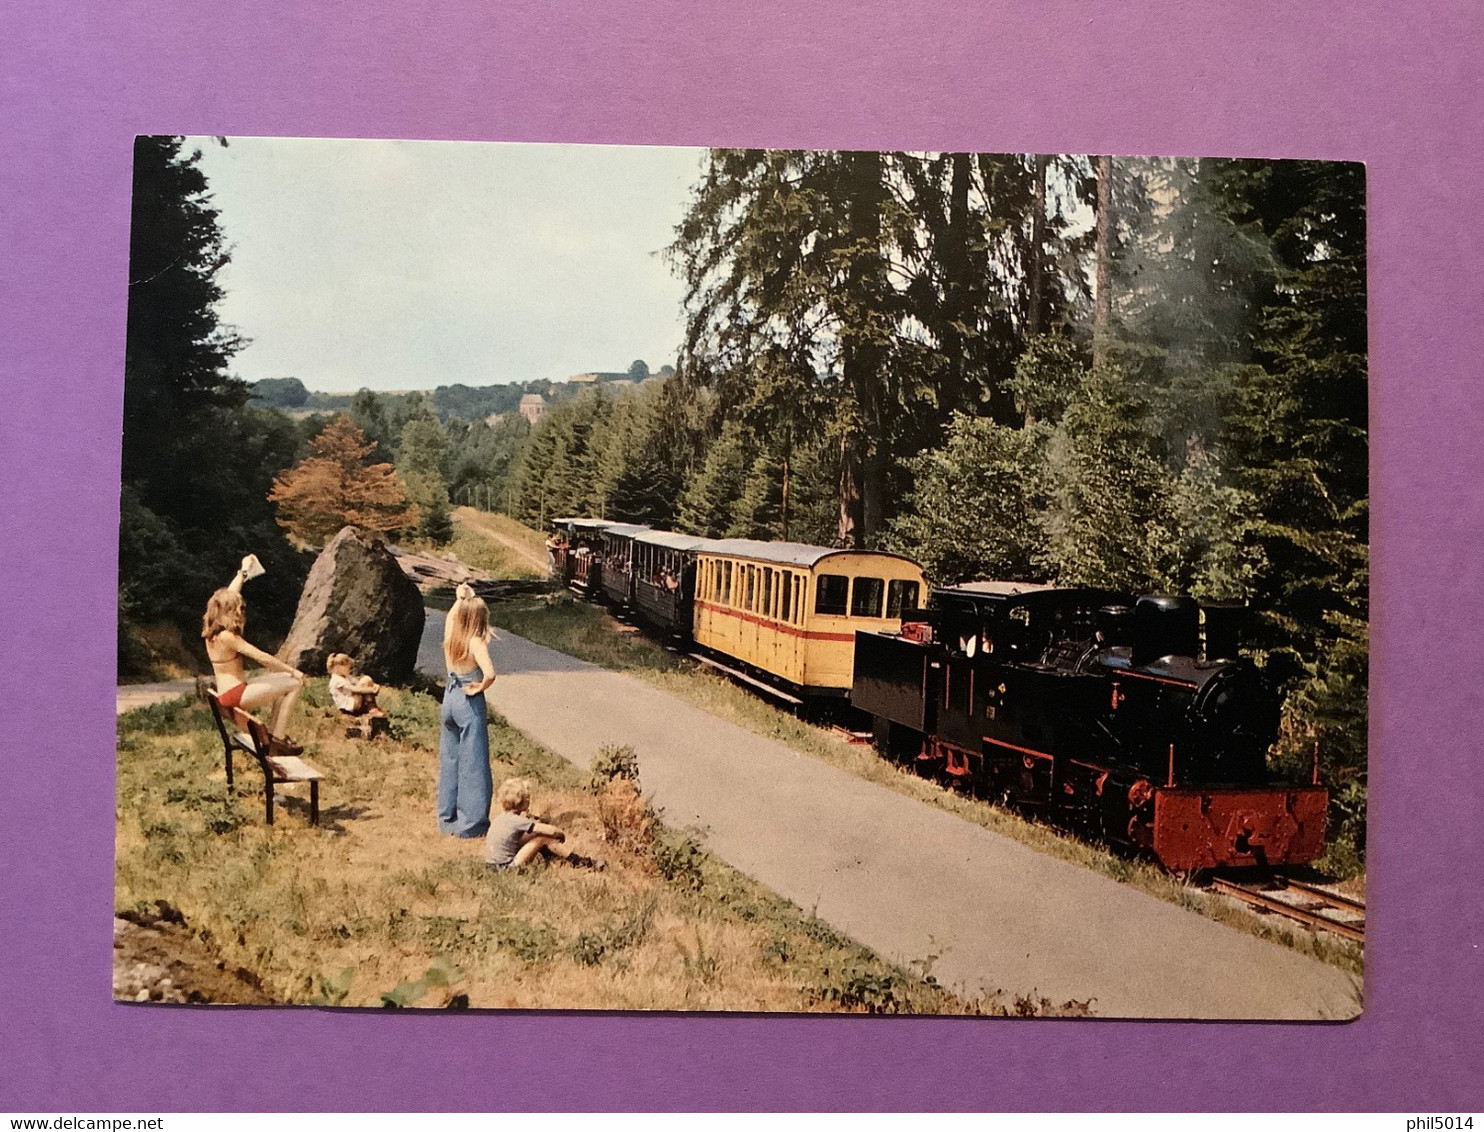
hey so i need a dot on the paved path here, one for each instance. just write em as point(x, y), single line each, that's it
point(900, 876)
point(131, 696)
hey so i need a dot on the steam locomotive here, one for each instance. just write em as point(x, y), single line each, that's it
point(1132, 720)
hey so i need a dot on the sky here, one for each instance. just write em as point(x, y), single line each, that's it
point(408, 265)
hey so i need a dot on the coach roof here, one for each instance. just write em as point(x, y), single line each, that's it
point(624, 530)
point(672, 541)
point(785, 553)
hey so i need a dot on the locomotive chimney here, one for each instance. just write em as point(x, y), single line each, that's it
point(1166, 626)
point(1223, 623)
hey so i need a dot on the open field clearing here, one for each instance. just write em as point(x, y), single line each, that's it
point(375, 907)
point(498, 545)
point(561, 622)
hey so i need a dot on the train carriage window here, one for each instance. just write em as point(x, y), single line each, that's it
point(831, 595)
point(865, 597)
point(751, 597)
point(726, 583)
point(901, 596)
point(785, 604)
point(767, 605)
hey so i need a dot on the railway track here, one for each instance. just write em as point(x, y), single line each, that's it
point(1314, 907)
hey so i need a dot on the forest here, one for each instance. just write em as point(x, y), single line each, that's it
point(1143, 373)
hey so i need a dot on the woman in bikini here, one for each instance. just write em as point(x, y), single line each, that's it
point(465, 787)
point(222, 630)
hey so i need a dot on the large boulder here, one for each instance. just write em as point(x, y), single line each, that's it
point(357, 600)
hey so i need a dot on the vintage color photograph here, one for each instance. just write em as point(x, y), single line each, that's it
point(639, 578)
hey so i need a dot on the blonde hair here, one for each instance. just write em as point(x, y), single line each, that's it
point(514, 794)
point(467, 620)
point(336, 660)
point(225, 612)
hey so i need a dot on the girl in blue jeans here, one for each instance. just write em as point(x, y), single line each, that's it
point(464, 783)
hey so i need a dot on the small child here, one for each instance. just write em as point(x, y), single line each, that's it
point(515, 837)
point(355, 696)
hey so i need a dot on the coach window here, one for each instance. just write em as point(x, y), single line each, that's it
point(831, 594)
point(767, 604)
point(865, 597)
point(726, 583)
point(751, 588)
point(786, 605)
point(901, 596)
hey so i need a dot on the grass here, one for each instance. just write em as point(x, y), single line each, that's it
point(376, 908)
point(585, 631)
point(483, 539)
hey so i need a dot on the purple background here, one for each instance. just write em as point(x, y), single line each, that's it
point(1395, 85)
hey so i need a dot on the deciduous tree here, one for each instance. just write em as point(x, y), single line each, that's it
point(334, 486)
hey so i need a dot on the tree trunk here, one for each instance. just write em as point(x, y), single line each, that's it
point(850, 499)
point(1038, 254)
point(1103, 297)
point(954, 257)
point(863, 482)
point(786, 452)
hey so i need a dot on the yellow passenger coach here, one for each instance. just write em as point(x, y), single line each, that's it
point(791, 611)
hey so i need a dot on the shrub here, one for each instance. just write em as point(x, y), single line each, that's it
point(626, 816)
point(678, 859)
point(611, 764)
point(854, 988)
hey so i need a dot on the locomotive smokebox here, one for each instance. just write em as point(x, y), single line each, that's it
point(1165, 626)
point(1115, 625)
point(1224, 623)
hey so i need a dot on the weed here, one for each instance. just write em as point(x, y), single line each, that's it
point(442, 973)
point(855, 988)
point(528, 942)
point(589, 949)
point(777, 950)
point(679, 859)
point(698, 964)
point(627, 818)
point(613, 763)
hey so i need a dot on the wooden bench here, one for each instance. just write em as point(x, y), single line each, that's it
point(279, 760)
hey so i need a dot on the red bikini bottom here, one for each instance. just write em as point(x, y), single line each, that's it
point(232, 696)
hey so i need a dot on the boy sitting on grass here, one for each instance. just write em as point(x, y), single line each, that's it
point(515, 837)
point(355, 696)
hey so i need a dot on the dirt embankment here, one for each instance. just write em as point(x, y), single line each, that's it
point(157, 958)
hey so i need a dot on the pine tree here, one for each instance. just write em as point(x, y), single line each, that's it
point(197, 459)
point(706, 505)
point(333, 487)
point(1107, 522)
point(757, 512)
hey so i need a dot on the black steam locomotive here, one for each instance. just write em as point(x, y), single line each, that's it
point(1136, 721)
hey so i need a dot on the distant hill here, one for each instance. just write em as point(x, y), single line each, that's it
point(470, 402)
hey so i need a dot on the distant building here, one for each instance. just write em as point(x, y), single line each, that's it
point(582, 379)
point(533, 407)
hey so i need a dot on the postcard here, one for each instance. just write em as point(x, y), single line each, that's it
point(571, 577)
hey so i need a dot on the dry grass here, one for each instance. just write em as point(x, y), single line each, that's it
point(498, 545)
point(585, 631)
point(375, 904)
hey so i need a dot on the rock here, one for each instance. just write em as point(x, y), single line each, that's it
point(358, 601)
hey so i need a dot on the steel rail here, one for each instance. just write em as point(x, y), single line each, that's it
point(1307, 916)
